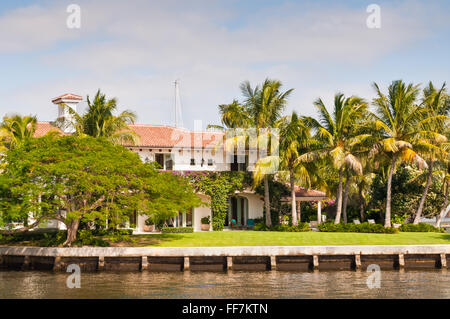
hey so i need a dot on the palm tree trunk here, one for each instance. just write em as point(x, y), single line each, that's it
point(387, 216)
point(293, 202)
point(445, 209)
point(361, 203)
point(344, 205)
point(267, 201)
point(337, 220)
point(424, 194)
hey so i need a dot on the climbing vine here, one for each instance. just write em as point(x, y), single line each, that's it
point(218, 186)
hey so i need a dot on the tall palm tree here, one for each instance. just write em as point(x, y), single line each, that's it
point(265, 105)
point(396, 123)
point(338, 133)
point(100, 121)
point(233, 115)
point(432, 143)
point(15, 129)
point(295, 139)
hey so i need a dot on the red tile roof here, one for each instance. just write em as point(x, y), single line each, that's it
point(169, 136)
point(43, 128)
point(304, 192)
point(157, 136)
point(67, 96)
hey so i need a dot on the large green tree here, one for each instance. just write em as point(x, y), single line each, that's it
point(265, 105)
point(432, 143)
point(396, 127)
point(338, 133)
point(73, 179)
point(295, 139)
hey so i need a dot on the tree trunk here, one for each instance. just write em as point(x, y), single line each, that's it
point(267, 202)
point(293, 202)
point(424, 194)
point(72, 229)
point(344, 205)
point(387, 216)
point(445, 210)
point(337, 220)
point(361, 204)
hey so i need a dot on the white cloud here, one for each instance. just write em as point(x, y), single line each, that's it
point(135, 50)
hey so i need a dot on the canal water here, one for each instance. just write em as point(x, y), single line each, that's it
point(233, 284)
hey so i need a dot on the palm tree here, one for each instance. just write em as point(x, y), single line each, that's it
point(446, 185)
point(100, 121)
point(432, 142)
point(295, 139)
point(15, 129)
point(265, 105)
point(396, 122)
point(233, 115)
point(338, 133)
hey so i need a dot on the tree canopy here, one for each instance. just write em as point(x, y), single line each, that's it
point(72, 179)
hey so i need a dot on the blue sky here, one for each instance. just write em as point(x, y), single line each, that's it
point(134, 50)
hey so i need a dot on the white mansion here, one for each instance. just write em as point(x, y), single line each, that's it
point(183, 150)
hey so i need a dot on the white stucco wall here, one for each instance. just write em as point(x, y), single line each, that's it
point(255, 205)
point(200, 212)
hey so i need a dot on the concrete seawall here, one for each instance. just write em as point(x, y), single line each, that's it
point(226, 258)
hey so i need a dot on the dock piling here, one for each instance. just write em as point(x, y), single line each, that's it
point(144, 263)
point(101, 263)
point(273, 263)
point(186, 265)
point(401, 261)
point(315, 262)
point(358, 262)
point(57, 264)
point(229, 263)
point(443, 261)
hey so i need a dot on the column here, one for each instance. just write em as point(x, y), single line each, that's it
point(319, 212)
point(184, 219)
point(186, 263)
point(299, 211)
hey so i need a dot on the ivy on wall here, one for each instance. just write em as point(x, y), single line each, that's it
point(219, 186)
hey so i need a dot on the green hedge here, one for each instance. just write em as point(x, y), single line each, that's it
point(421, 227)
point(45, 238)
point(178, 230)
point(357, 228)
point(302, 227)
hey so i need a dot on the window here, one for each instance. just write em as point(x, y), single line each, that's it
point(210, 162)
point(236, 166)
point(192, 161)
point(159, 158)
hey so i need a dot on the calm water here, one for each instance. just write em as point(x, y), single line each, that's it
point(269, 284)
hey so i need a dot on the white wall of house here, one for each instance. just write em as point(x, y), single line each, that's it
point(200, 212)
point(255, 205)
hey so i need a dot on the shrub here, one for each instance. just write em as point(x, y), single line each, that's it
point(177, 230)
point(302, 227)
point(205, 220)
point(420, 227)
point(357, 228)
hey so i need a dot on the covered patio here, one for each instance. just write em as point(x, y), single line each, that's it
point(303, 194)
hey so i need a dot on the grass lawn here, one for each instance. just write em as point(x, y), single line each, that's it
point(262, 238)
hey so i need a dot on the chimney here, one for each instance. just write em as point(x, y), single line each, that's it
point(71, 100)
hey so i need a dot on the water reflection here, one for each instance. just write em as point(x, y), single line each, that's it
point(235, 284)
